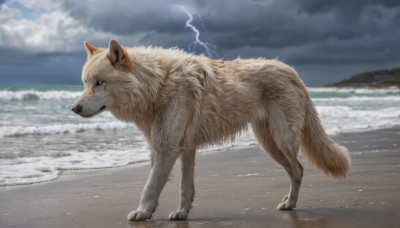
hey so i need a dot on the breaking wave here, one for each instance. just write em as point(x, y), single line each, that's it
point(32, 95)
point(14, 131)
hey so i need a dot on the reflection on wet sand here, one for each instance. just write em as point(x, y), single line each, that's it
point(300, 218)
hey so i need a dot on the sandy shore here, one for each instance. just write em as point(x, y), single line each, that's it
point(238, 187)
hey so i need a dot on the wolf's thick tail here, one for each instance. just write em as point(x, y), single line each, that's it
point(320, 150)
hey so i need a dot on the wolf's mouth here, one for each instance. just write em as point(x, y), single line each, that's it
point(100, 110)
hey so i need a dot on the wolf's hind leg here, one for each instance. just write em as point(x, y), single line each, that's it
point(287, 159)
point(187, 186)
point(289, 201)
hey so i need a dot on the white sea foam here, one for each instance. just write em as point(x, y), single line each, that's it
point(358, 99)
point(6, 95)
point(28, 170)
point(11, 131)
point(340, 119)
point(353, 90)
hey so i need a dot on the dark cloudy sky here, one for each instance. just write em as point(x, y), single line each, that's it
point(41, 41)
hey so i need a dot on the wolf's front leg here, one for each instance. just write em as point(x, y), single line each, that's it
point(160, 171)
point(187, 186)
point(166, 137)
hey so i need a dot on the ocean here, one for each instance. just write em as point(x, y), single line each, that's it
point(40, 136)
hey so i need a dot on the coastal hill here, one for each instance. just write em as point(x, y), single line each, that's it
point(372, 79)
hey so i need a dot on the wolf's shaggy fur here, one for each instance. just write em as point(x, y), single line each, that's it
point(182, 102)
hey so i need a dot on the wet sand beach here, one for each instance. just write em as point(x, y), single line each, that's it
point(239, 187)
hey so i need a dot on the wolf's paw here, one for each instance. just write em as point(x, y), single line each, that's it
point(286, 204)
point(138, 216)
point(178, 215)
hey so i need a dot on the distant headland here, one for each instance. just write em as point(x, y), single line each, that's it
point(373, 79)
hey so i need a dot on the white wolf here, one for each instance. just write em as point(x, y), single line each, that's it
point(182, 102)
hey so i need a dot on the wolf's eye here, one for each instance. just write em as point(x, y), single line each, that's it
point(99, 82)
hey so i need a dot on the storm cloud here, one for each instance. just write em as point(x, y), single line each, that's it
point(325, 41)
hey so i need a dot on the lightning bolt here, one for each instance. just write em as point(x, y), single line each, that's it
point(210, 49)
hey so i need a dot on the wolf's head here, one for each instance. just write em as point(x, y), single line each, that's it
point(102, 75)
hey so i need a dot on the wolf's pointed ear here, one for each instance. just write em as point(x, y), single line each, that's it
point(91, 50)
point(116, 54)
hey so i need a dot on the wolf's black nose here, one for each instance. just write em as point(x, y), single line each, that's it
point(77, 109)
